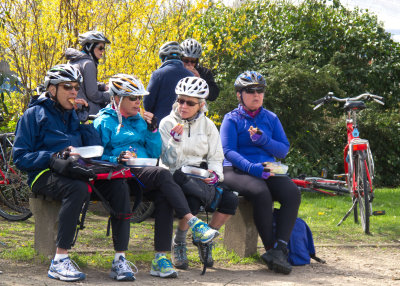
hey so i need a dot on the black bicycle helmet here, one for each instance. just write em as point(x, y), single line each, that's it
point(170, 50)
point(249, 79)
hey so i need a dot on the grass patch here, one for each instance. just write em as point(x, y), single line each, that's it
point(322, 213)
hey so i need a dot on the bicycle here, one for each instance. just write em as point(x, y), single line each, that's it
point(14, 191)
point(358, 162)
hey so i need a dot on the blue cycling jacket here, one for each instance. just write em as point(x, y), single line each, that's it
point(162, 88)
point(133, 136)
point(247, 155)
point(45, 129)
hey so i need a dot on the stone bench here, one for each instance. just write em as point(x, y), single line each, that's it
point(45, 211)
point(241, 234)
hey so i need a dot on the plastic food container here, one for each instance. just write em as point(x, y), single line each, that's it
point(88, 151)
point(141, 162)
point(277, 167)
point(195, 172)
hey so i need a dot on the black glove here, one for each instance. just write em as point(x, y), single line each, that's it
point(120, 157)
point(72, 168)
point(63, 154)
point(153, 125)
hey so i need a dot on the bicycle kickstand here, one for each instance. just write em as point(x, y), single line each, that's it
point(348, 212)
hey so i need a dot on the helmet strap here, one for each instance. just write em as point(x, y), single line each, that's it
point(243, 104)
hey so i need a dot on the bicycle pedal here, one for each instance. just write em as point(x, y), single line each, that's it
point(339, 176)
point(378, 213)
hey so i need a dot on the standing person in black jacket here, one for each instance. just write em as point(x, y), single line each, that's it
point(93, 46)
point(191, 54)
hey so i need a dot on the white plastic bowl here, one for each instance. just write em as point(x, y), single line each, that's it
point(88, 151)
point(195, 172)
point(141, 162)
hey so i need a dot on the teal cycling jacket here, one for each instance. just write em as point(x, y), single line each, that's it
point(133, 136)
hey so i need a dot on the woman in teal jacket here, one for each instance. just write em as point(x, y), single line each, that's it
point(127, 134)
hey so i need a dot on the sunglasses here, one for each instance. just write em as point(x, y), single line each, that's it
point(135, 97)
point(101, 48)
point(254, 89)
point(188, 102)
point(69, 87)
point(186, 61)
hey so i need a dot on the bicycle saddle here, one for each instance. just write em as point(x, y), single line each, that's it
point(358, 105)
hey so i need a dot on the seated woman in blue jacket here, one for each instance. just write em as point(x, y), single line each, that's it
point(251, 136)
point(127, 134)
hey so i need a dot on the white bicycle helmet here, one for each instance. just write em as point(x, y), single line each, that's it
point(126, 85)
point(170, 49)
point(191, 48)
point(192, 86)
point(62, 73)
point(92, 37)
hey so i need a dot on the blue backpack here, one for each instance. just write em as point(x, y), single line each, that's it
point(301, 245)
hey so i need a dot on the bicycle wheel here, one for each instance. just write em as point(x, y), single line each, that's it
point(363, 189)
point(14, 196)
point(143, 211)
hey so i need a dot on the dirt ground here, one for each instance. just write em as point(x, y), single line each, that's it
point(345, 266)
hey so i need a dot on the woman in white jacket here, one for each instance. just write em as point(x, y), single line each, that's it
point(191, 139)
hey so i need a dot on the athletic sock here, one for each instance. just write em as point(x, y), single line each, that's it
point(180, 235)
point(58, 257)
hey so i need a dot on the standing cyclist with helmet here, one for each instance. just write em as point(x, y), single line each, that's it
point(163, 81)
point(191, 53)
point(126, 134)
point(190, 138)
point(93, 46)
point(43, 138)
point(252, 135)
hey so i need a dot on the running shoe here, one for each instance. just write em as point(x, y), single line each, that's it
point(179, 256)
point(121, 270)
point(202, 232)
point(65, 270)
point(163, 268)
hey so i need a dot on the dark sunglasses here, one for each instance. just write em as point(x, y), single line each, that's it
point(135, 97)
point(101, 48)
point(188, 102)
point(186, 61)
point(254, 89)
point(68, 86)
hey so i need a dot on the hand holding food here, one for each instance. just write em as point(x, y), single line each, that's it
point(254, 130)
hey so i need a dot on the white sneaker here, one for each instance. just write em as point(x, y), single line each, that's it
point(121, 270)
point(66, 270)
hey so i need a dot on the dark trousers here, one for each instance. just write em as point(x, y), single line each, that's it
point(73, 193)
point(160, 187)
point(262, 193)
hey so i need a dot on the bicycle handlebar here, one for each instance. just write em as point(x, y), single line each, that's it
point(330, 97)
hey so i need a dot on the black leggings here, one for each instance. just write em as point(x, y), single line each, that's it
point(262, 193)
point(167, 196)
point(73, 193)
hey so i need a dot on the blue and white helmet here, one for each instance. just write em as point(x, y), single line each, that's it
point(249, 79)
point(62, 73)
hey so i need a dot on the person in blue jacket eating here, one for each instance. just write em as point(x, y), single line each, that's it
point(252, 136)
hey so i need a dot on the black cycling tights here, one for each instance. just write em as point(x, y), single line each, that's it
point(262, 193)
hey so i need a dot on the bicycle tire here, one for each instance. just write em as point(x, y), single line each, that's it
point(363, 192)
point(14, 195)
point(143, 211)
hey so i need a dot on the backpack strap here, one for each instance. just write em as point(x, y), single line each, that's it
point(317, 259)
